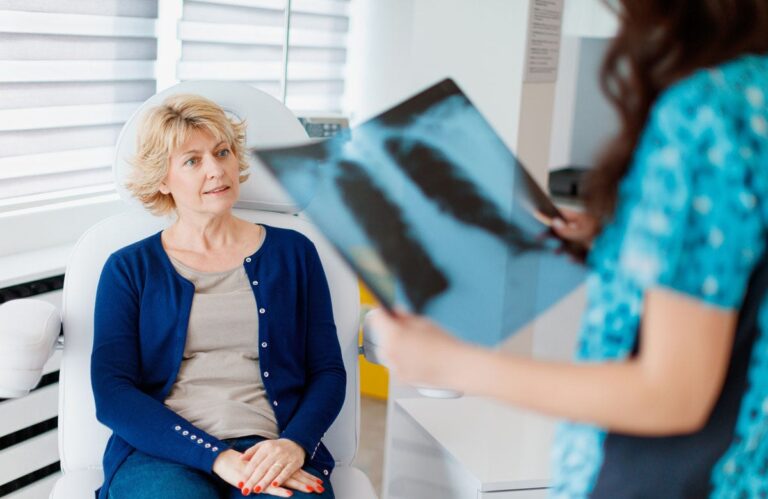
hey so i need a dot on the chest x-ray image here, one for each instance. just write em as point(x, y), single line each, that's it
point(435, 214)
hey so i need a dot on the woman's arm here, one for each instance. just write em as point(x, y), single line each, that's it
point(670, 387)
point(326, 378)
point(136, 417)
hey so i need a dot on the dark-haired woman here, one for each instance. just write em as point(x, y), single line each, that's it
point(670, 397)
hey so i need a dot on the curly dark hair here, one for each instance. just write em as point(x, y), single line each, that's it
point(658, 43)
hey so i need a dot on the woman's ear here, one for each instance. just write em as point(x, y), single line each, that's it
point(164, 188)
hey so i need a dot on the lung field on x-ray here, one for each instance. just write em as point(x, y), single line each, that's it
point(383, 223)
point(440, 180)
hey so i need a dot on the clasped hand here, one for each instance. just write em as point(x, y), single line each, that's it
point(271, 466)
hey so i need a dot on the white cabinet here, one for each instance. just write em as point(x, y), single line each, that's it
point(515, 494)
point(466, 448)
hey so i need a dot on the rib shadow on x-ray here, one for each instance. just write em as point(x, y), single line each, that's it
point(440, 180)
point(383, 223)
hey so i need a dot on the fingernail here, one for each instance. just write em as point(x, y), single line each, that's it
point(245, 492)
point(289, 493)
point(257, 489)
point(240, 485)
point(318, 480)
point(320, 489)
point(311, 489)
point(275, 484)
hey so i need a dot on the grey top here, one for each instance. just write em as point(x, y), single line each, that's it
point(219, 387)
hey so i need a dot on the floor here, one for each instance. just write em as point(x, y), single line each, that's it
point(370, 455)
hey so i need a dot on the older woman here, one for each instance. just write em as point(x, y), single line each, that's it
point(215, 359)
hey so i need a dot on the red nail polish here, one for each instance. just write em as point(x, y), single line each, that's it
point(275, 484)
point(240, 485)
point(320, 489)
point(309, 488)
point(289, 493)
point(257, 489)
point(245, 492)
point(318, 480)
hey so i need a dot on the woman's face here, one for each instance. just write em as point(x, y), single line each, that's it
point(203, 176)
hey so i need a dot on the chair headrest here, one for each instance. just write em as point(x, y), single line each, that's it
point(269, 124)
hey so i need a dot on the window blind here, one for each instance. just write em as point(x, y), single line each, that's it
point(244, 40)
point(71, 73)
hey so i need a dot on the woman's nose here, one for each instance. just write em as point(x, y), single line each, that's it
point(212, 167)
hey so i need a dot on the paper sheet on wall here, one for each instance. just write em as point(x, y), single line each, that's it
point(545, 19)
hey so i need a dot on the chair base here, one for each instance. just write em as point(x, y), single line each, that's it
point(79, 484)
point(351, 483)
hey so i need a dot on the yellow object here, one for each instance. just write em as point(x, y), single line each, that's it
point(374, 379)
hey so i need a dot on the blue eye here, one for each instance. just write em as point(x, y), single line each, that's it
point(223, 153)
point(190, 162)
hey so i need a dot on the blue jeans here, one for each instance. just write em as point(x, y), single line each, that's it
point(142, 476)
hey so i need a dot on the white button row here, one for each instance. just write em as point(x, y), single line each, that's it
point(248, 259)
point(194, 438)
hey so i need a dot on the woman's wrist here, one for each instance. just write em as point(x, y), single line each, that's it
point(300, 450)
point(222, 459)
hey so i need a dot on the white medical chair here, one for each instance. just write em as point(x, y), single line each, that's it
point(29, 328)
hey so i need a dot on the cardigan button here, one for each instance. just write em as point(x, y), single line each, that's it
point(325, 472)
point(266, 374)
point(207, 446)
point(199, 440)
point(262, 310)
point(248, 259)
point(255, 283)
point(185, 433)
point(263, 344)
point(177, 428)
point(274, 403)
point(214, 449)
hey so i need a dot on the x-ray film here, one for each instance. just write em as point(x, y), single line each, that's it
point(435, 214)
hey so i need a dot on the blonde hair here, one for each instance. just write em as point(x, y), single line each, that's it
point(165, 128)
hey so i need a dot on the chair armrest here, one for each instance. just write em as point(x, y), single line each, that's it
point(29, 329)
point(371, 350)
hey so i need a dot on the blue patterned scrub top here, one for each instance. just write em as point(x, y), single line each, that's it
point(691, 217)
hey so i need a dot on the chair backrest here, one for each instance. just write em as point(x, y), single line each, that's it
point(81, 437)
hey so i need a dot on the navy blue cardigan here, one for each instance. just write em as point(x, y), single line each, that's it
point(142, 313)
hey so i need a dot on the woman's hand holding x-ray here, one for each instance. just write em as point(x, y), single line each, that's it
point(578, 227)
point(416, 349)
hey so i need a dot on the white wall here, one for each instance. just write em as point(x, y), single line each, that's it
point(583, 119)
point(398, 47)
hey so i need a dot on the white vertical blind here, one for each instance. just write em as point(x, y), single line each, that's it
point(317, 55)
point(243, 40)
point(71, 73)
